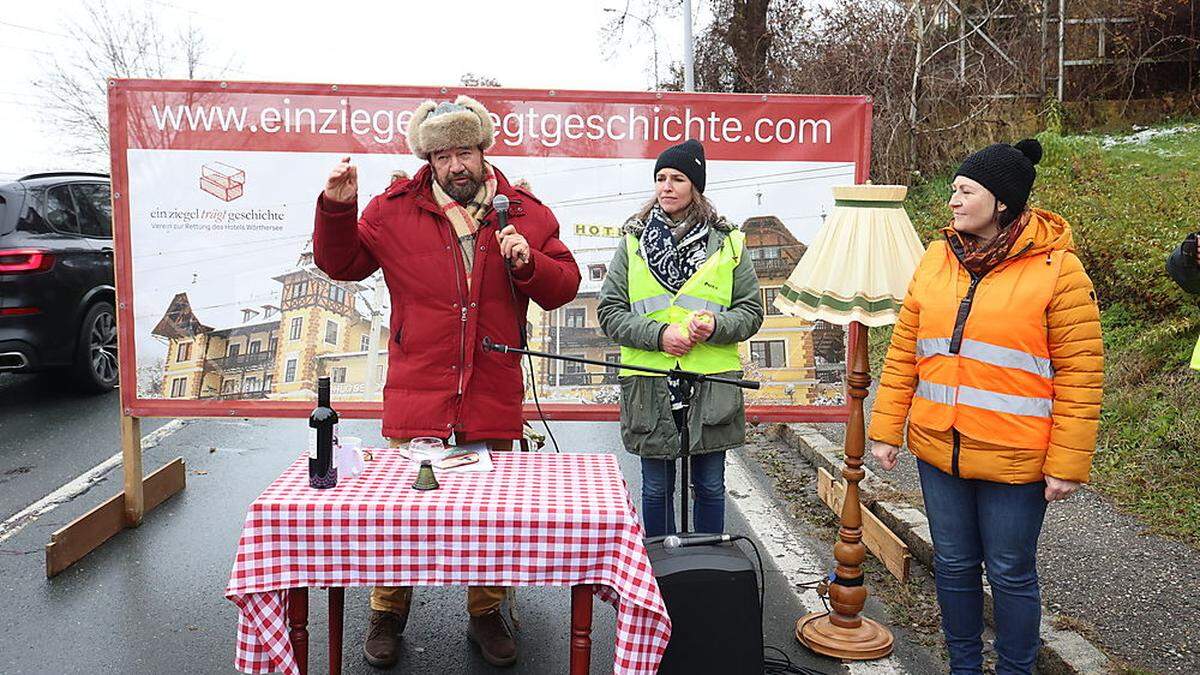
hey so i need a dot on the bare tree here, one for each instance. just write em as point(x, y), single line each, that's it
point(937, 75)
point(946, 76)
point(742, 49)
point(150, 378)
point(743, 31)
point(128, 44)
point(964, 68)
point(632, 25)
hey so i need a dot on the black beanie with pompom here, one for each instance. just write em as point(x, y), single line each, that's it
point(1007, 171)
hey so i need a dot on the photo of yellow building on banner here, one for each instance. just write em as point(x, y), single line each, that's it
point(318, 327)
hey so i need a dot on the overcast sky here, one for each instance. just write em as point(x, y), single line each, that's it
point(535, 44)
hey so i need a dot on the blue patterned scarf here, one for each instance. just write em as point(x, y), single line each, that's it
point(673, 263)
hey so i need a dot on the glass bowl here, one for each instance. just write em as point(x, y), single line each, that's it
point(426, 448)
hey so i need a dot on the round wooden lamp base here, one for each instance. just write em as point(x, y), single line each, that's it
point(869, 641)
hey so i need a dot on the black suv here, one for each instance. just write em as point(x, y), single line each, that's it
point(57, 296)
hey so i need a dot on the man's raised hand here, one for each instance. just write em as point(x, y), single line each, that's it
point(342, 185)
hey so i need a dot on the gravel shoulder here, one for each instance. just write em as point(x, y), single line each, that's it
point(1129, 591)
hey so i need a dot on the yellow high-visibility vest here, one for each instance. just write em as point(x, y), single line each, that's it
point(711, 288)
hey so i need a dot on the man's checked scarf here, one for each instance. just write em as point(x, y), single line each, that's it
point(466, 217)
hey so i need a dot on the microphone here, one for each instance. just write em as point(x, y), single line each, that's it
point(675, 541)
point(500, 204)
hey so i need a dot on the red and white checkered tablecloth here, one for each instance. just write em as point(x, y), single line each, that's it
point(538, 519)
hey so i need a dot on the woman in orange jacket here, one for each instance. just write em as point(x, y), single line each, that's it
point(996, 363)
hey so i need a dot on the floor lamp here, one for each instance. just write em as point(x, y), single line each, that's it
point(855, 273)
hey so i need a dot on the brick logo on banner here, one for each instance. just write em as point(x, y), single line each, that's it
point(222, 181)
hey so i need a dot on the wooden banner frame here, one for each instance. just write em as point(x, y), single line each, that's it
point(140, 495)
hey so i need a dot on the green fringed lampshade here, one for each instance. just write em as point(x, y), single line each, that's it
point(859, 266)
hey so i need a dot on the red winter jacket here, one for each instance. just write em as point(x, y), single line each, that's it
point(440, 379)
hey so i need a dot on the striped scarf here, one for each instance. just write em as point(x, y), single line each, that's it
point(979, 256)
point(465, 218)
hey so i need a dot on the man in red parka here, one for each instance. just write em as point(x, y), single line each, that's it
point(447, 266)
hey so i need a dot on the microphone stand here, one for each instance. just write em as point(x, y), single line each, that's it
point(688, 379)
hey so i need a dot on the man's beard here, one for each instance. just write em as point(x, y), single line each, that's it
point(462, 193)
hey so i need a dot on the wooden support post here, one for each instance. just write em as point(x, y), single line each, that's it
point(131, 461)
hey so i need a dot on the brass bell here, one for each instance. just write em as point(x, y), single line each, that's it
point(425, 478)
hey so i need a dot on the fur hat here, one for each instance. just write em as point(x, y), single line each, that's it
point(440, 126)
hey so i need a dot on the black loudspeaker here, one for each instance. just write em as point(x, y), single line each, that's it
point(711, 594)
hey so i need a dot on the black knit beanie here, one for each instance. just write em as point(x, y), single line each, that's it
point(686, 158)
point(1006, 171)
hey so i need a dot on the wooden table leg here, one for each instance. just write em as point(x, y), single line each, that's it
point(581, 629)
point(297, 614)
point(337, 604)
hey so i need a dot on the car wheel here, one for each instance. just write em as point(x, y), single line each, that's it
point(96, 364)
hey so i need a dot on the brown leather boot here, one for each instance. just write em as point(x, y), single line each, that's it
point(382, 646)
point(490, 633)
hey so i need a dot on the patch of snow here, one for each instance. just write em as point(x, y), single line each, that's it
point(1143, 135)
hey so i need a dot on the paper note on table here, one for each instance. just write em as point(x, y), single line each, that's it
point(469, 458)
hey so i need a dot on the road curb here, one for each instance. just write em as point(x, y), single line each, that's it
point(1064, 652)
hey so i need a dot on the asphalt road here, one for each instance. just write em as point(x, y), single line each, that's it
point(151, 599)
point(49, 434)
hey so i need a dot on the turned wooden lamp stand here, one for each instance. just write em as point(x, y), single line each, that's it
point(855, 274)
point(843, 632)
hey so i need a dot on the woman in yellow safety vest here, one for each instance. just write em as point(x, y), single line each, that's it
point(996, 363)
point(679, 291)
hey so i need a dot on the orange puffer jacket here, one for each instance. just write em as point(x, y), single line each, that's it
point(999, 377)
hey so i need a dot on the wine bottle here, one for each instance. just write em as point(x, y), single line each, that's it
point(322, 431)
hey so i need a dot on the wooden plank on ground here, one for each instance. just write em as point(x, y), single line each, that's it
point(879, 540)
point(164, 483)
point(87, 532)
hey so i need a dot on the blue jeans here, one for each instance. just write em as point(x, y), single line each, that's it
point(979, 521)
point(708, 485)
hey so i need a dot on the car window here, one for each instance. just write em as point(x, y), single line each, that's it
point(95, 209)
point(10, 203)
point(60, 210)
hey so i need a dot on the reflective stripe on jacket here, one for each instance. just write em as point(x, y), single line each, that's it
point(1011, 362)
point(710, 288)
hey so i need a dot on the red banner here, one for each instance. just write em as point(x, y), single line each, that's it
point(213, 189)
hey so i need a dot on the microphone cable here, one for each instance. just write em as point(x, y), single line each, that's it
point(512, 290)
point(779, 665)
point(762, 572)
point(782, 664)
point(538, 404)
